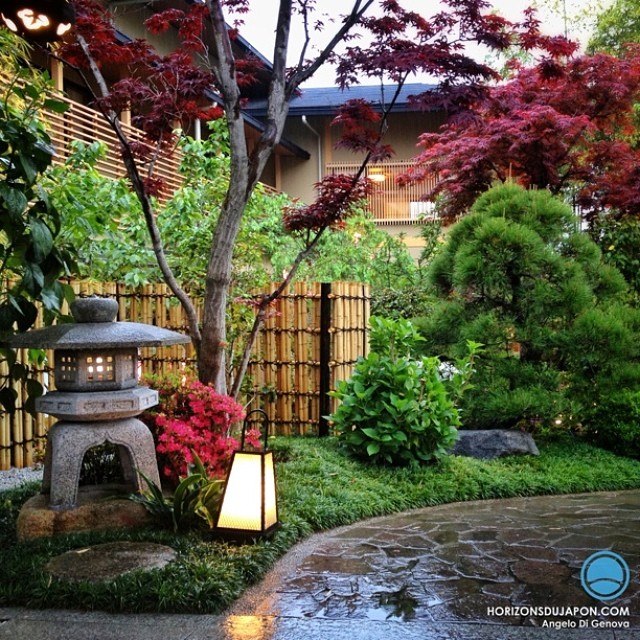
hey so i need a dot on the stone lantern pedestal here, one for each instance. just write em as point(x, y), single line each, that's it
point(96, 401)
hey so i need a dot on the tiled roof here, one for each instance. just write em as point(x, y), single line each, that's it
point(325, 100)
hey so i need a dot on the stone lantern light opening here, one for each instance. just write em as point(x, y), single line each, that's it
point(97, 396)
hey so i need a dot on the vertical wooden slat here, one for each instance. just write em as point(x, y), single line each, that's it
point(391, 202)
point(17, 432)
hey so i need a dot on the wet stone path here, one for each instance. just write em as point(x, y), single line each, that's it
point(485, 562)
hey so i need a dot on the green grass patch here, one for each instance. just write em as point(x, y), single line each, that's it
point(320, 488)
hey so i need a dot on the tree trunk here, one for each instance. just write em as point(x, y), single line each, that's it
point(246, 168)
point(211, 362)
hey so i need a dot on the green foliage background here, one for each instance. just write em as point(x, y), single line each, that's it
point(33, 256)
point(102, 218)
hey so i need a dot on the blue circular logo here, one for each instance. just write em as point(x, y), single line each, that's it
point(605, 575)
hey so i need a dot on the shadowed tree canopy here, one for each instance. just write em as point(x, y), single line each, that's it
point(567, 129)
point(393, 45)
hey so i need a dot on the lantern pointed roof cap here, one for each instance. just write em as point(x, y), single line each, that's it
point(96, 328)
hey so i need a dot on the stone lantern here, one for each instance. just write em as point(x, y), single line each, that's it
point(97, 396)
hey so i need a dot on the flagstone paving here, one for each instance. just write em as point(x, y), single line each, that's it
point(465, 562)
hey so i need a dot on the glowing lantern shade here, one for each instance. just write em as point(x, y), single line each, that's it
point(39, 20)
point(249, 505)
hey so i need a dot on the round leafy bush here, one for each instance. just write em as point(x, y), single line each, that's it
point(614, 423)
point(398, 409)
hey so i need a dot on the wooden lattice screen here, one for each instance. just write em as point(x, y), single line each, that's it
point(312, 339)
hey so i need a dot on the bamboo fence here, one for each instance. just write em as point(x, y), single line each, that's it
point(285, 375)
point(287, 367)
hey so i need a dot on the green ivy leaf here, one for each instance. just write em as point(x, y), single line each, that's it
point(57, 106)
point(27, 315)
point(8, 399)
point(41, 239)
point(373, 448)
point(13, 200)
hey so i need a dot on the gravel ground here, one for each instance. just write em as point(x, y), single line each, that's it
point(15, 477)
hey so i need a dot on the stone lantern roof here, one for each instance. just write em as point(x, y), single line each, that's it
point(97, 335)
point(96, 328)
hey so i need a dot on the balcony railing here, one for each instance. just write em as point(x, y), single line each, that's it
point(392, 203)
point(82, 123)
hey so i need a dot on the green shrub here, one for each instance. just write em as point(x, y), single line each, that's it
point(518, 276)
point(397, 409)
point(614, 423)
point(101, 465)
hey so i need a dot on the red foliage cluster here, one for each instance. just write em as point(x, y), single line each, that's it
point(336, 195)
point(162, 92)
point(567, 130)
point(405, 43)
point(190, 24)
point(356, 117)
point(194, 418)
point(94, 24)
point(154, 186)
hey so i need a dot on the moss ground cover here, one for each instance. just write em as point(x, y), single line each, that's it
point(320, 488)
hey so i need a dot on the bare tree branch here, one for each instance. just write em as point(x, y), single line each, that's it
point(137, 183)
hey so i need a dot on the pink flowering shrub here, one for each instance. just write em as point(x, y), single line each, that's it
point(193, 417)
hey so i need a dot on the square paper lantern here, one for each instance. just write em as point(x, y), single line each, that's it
point(249, 504)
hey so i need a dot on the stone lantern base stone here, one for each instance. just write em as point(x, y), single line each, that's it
point(67, 442)
point(99, 507)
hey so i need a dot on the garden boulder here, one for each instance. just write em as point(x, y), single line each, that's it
point(493, 443)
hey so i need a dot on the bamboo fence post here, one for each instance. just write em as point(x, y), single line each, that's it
point(17, 429)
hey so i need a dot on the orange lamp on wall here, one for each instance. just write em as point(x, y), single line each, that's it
point(249, 504)
point(39, 20)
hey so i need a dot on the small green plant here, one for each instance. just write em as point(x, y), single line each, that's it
point(398, 409)
point(195, 501)
point(101, 465)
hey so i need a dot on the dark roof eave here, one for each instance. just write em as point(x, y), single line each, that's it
point(258, 125)
point(331, 110)
point(326, 101)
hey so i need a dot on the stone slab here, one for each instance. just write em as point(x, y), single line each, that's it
point(99, 507)
point(486, 562)
point(106, 562)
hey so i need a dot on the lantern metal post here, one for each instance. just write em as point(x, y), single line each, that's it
point(249, 508)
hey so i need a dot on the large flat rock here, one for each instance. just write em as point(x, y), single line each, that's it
point(494, 443)
point(105, 562)
point(99, 507)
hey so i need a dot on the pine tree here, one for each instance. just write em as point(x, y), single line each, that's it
point(519, 276)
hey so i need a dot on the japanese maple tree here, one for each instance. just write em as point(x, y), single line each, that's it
point(565, 128)
point(394, 44)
